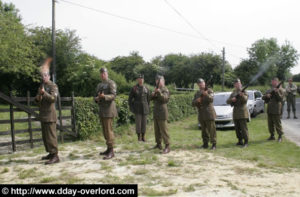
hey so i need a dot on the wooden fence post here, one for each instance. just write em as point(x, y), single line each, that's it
point(60, 119)
point(73, 120)
point(29, 120)
point(12, 125)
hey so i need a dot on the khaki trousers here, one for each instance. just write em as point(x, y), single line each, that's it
point(49, 137)
point(161, 131)
point(140, 123)
point(108, 131)
point(241, 129)
point(274, 122)
point(209, 132)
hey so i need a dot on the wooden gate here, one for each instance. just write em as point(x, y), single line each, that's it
point(66, 124)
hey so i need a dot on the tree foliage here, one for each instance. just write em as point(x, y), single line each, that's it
point(268, 56)
point(18, 55)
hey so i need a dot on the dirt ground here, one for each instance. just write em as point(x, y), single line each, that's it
point(180, 173)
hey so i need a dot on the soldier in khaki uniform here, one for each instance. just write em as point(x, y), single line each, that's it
point(139, 101)
point(283, 101)
point(203, 100)
point(238, 100)
point(161, 97)
point(273, 98)
point(46, 99)
point(105, 95)
point(291, 92)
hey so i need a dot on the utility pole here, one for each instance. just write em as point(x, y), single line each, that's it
point(53, 43)
point(223, 68)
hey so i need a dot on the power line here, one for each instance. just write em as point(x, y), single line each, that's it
point(196, 30)
point(132, 20)
point(201, 37)
point(189, 24)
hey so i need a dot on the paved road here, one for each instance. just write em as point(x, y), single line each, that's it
point(291, 127)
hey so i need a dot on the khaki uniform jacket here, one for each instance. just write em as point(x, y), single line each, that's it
point(275, 102)
point(139, 100)
point(240, 110)
point(291, 90)
point(206, 110)
point(161, 98)
point(47, 103)
point(107, 105)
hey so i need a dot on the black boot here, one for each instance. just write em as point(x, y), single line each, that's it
point(279, 138)
point(205, 145)
point(139, 137)
point(271, 137)
point(157, 146)
point(167, 149)
point(245, 144)
point(214, 146)
point(288, 117)
point(240, 142)
point(295, 117)
point(143, 137)
point(54, 159)
point(47, 157)
point(110, 154)
point(104, 153)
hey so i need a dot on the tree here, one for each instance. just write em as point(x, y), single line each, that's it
point(266, 60)
point(175, 69)
point(296, 77)
point(288, 59)
point(18, 55)
point(68, 50)
point(127, 65)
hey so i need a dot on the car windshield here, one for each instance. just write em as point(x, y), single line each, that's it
point(220, 99)
point(250, 96)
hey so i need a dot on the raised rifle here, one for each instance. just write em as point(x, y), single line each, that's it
point(238, 95)
point(157, 85)
point(273, 92)
point(206, 87)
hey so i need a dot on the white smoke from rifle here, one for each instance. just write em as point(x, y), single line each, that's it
point(264, 67)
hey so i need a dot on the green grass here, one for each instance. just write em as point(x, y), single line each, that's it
point(152, 192)
point(186, 135)
point(30, 173)
point(48, 179)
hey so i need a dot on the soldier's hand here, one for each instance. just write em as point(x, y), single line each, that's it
point(233, 99)
point(205, 93)
point(153, 94)
point(268, 95)
point(276, 90)
point(42, 91)
point(241, 93)
point(199, 100)
point(101, 95)
point(97, 98)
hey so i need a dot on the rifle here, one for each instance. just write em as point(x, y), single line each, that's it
point(208, 83)
point(273, 92)
point(206, 87)
point(238, 95)
point(157, 85)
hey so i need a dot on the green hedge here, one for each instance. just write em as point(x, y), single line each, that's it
point(87, 119)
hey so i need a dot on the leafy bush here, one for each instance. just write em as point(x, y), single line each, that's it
point(87, 118)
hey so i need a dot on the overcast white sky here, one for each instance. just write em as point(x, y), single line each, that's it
point(233, 24)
